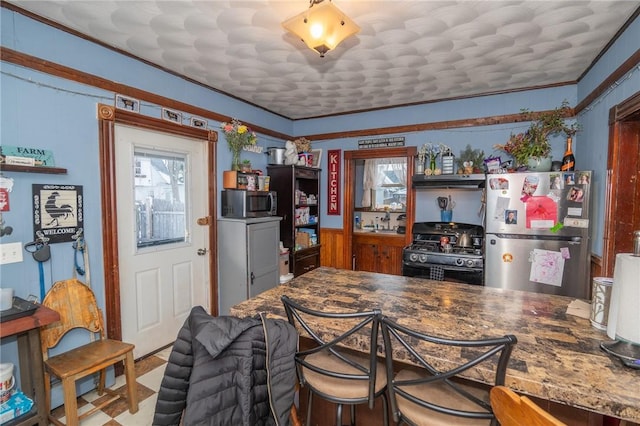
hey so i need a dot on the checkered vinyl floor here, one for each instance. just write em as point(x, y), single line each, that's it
point(149, 373)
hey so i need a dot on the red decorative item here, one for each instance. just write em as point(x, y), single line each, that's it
point(4, 200)
point(334, 161)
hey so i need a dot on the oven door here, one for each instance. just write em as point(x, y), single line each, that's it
point(444, 273)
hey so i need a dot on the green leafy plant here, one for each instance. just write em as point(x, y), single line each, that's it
point(475, 156)
point(535, 141)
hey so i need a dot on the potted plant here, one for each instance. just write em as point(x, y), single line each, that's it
point(238, 136)
point(532, 148)
point(302, 145)
point(470, 160)
point(245, 166)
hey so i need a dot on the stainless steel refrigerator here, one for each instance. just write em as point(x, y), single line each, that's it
point(537, 232)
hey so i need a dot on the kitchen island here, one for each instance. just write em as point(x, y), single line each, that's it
point(557, 357)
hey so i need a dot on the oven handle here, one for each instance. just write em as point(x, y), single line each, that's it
point(445, 267)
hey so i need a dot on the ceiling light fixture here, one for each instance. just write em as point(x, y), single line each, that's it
point(321, 27)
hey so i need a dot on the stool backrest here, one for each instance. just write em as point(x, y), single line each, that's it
point(363, 326)
point(78, 308)
point(444, 361)
point(512, 409)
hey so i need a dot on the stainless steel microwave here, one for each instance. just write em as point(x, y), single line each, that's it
point(242, 203)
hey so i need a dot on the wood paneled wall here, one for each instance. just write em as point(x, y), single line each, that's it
point(331, 251)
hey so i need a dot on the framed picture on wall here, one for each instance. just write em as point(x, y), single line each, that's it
point(58, 212)
point(172, 115)
point(125, 102)
point(199, 122)
point(317, 157)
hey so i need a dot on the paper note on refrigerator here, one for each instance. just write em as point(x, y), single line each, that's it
point(547, 267)
point(502, 204)
point(542, 212)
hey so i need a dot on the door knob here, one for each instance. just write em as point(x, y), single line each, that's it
point(204, 220)
point(202, 251)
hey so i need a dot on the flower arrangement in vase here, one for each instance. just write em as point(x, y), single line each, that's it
point(238, 136)
point(427, 156)
point(534, 144)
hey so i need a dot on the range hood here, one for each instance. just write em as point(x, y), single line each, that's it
point(473, 181)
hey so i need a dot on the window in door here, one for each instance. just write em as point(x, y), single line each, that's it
point(160, 198)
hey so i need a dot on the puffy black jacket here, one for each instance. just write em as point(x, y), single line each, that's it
point(229, 371)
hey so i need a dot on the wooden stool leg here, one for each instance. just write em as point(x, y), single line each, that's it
point(132, 392)
point(47, 392)
point(102, 381)
point(70, 402)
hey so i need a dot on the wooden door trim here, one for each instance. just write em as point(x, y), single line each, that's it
point(349, 192)
point(108, 116)
point(622, 179)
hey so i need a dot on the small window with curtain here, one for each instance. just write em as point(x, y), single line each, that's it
point(384, 184)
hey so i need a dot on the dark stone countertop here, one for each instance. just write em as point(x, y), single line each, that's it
point(557, 357)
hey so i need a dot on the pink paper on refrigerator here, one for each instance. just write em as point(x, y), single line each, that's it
point(541, 212)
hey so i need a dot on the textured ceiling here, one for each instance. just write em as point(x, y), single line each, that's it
point(406, 51)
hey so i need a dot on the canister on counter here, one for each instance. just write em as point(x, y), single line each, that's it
point(600, 301)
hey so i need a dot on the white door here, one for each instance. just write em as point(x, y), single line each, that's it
point(162, 190)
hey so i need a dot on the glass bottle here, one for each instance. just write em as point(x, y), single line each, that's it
point(568, 160)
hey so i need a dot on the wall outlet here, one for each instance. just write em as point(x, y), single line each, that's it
point(10, 253)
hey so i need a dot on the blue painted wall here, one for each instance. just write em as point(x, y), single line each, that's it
point(592, 146)
point(38, 110)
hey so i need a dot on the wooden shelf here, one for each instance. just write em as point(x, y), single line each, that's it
point(33, 169)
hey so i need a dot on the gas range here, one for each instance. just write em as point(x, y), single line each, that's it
point(445, 251)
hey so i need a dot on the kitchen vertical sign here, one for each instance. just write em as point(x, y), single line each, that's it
point(333, 206)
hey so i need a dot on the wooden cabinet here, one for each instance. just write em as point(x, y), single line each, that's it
point(27, 332)
point(306, 260)
point(298, 190)
point(378, 253)
point(248, 259)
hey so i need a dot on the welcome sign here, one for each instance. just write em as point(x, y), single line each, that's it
point(58, 211)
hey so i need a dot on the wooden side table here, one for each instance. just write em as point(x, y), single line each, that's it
point(27, 331)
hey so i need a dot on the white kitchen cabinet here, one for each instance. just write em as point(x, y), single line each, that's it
point(248, 259)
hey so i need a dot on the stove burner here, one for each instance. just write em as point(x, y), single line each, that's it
point(434, 252)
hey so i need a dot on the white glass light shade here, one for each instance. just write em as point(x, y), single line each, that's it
point(322, 27)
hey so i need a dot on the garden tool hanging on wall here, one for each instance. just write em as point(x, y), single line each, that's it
point(41, 252)
point(81, 254)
